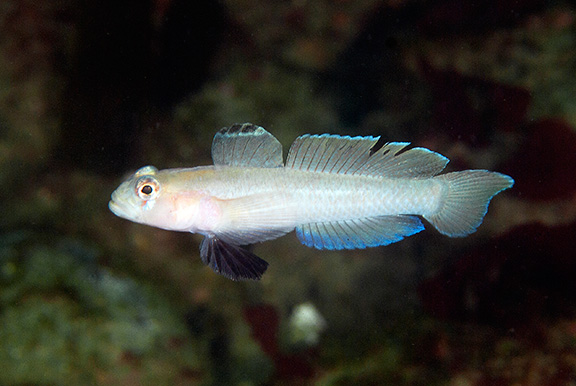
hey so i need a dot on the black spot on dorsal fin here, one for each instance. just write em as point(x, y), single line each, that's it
point(239, 128)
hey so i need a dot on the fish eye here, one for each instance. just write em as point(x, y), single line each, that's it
point(147, 188)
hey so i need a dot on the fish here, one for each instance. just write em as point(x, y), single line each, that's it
point(336, 192)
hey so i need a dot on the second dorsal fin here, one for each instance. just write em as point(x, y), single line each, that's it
point(246, 145)
point(356, 155)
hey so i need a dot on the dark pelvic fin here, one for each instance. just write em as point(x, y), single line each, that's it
point(230, 260)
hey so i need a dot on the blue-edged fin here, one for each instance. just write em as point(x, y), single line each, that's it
point(354, 155)
point(358, 233)
point(246, 145)
point(230, 260)
point(466, 198)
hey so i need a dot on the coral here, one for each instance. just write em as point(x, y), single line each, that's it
point(307, 34)
point(536, 55)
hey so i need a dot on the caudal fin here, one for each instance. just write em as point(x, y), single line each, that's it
point(466, 201)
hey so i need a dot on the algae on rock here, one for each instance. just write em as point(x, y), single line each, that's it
point(64, 320)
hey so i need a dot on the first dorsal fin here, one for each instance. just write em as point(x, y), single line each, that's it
point(246, 145)
point(355, 155)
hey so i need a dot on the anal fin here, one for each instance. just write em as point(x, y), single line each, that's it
point(231, 261)
point(358, 233)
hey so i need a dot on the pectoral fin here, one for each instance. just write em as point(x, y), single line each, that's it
point(231, 260)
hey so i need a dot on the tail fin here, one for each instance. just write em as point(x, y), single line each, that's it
point(466, 202)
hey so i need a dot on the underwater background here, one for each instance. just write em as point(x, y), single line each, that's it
point(91, 91)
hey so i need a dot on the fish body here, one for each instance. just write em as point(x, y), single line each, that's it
point(336, 192)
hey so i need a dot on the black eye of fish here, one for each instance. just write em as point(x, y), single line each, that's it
point(146, 189)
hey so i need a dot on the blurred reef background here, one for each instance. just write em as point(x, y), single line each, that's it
point(90, 91)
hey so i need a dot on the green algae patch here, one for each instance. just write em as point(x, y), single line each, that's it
point(64, 320)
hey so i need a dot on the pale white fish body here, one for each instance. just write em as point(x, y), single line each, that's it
point(337, 192)
point(284, 197)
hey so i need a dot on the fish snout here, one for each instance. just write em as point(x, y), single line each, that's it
point(122, 208)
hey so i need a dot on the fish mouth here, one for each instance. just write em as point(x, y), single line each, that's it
point(118, 210)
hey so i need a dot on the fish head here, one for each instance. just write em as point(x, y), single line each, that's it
point(137, 195)
point(146, 197)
